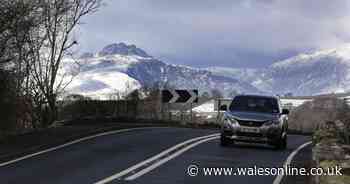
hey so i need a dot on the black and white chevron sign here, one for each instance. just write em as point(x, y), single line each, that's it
point(179, 96)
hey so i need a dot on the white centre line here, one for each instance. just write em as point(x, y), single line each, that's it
point(166, 159)
point(156, 157)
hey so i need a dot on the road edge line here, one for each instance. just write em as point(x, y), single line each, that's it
point(279, 178)
point(72, 143)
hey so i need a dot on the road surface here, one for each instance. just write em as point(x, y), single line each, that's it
point(150, 155)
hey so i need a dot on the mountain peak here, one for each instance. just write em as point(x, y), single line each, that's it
point(122, 49)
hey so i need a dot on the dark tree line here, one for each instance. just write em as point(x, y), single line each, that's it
point(35, 35)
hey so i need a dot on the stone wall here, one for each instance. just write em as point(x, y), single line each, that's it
point(331, 148)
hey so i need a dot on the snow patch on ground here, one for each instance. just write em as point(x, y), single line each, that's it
point(293, 102)
point(206, 107)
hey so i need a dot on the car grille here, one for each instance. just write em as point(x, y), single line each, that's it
point(250, 123)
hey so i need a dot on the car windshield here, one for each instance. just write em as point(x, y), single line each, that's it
point(254, 104)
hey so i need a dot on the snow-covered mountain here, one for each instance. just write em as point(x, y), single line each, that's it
point(100, 77)
point(121, 68)
point(321, 72)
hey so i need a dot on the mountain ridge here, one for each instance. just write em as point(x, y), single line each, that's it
point(323, 71)
point(137, 65)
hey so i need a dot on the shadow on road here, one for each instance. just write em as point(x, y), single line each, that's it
point(256, 146)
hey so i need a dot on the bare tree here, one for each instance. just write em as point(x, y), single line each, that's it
point(35, 36)
point(11, 25)
point(151, 101)
point(53, 41)
point(17, 21)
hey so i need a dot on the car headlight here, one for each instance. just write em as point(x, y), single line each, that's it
point(272, 122)
point(228, 123)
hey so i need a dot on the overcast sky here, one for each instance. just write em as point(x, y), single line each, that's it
point(243, 33)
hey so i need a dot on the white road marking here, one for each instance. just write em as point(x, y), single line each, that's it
point(71, 143)
point(145, 162)
point(279, 178)
point(161, 162)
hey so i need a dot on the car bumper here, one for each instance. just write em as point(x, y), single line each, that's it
point(269, 135)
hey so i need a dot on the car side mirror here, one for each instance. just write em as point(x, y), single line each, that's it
point(223, 108)
point(285, 111)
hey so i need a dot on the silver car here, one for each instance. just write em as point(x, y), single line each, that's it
point(258, 119)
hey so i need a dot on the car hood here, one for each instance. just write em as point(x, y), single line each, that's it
point(252, 116)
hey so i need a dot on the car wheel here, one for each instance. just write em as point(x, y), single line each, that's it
point(284, 142)
point(224, 141)
point(281, 144)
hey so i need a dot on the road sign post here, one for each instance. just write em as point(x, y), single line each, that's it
point(191, 113)
point(179, 96)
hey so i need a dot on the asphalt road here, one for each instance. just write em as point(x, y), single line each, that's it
point(96, 159)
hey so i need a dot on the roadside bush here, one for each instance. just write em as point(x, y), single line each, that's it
point(95, 108)
point(332, 132)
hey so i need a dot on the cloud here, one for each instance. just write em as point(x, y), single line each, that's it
point(225, 32)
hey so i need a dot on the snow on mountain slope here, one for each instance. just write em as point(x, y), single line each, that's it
point(102, 75)
point(102, 85)
point(162, 74)
point(320, 72)
point(325, 71)
point(100, 80)
point(120, 67)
